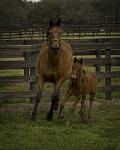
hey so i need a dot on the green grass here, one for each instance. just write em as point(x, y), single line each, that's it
point(17, 132)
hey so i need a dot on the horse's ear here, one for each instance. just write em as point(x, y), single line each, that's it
point(81, 61)
point(58, 22)
point(50, 23)
point(75, 59)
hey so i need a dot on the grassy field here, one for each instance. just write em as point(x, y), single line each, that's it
point(17, 132)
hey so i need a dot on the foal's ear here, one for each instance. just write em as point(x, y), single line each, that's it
point(50, 23)
point(81, 61)
point(75, 59)
point(58, 22)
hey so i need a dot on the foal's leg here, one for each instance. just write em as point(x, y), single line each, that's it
point(54, 99)
point(62, 103)
point(82, 110)
point(38, 98)
point(90, 105)
point(72, 109)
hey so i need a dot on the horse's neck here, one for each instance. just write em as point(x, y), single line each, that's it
point(75, 83)
point(80, 78)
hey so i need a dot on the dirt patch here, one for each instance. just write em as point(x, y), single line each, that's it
point(44, 106)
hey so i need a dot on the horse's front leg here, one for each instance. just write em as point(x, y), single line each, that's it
point(38, 98)
point(55, 99)
point(90, 105)
point(72, 109)
point(62, 103)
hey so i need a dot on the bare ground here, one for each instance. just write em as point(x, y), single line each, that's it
point(44, 106)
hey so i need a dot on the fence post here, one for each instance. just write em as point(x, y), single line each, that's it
point(32, 32)
point(26, 70)
point(98, 55)
point(33, 74)
point(42, 34)
point(26, 57)
point(39, 33)
point(79, 32)
point(107, 76)
point(67, 33)
point(19, 34)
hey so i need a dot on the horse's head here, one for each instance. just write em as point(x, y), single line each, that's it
point(54, 35)
point(76, 68)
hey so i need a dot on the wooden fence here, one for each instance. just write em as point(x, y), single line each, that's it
point(106, 54)
point(74, 42)
point(71, 31)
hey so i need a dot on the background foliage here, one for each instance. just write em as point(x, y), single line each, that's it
point(21, 12)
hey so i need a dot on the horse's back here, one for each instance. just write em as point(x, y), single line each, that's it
point(91, 82)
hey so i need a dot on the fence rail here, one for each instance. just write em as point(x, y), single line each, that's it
point(105, 54)
point(69, 31)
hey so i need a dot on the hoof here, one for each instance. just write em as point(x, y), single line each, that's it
point(86, 121)
point(91, 120)
point(49, 117)
point(56, 106)
point(61, 117)
point(89, 117)
point(33, 118)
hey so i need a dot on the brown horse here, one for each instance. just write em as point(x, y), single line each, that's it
point(54, 65)
point(81, 84)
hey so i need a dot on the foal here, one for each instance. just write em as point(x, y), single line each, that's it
point(81, 84)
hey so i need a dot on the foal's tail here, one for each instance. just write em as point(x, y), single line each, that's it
point(95, 81)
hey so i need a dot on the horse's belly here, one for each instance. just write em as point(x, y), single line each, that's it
point(51, 76)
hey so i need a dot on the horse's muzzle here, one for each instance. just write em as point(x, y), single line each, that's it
point(73, 76)
point(55, 45)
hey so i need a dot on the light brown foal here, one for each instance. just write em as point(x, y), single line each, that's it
point(81, 84)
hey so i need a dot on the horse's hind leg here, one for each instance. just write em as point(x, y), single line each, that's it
point(82, 110)
point(38, 98)
point(72, 109)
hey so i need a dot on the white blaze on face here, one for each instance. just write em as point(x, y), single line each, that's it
point(73, 76)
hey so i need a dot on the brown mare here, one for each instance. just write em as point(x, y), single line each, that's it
point(81, 84)
point(54, 65)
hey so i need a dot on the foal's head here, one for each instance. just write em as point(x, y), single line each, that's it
point(54, 35)
point(77, 69)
